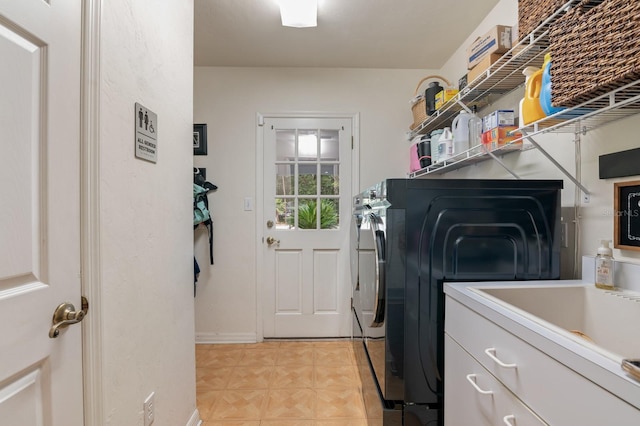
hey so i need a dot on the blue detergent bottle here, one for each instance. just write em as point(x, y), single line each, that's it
point(545, 92)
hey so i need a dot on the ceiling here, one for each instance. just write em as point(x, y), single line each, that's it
point(403, 34)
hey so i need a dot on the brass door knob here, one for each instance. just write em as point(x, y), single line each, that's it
point(271, 241)
point(65, 315)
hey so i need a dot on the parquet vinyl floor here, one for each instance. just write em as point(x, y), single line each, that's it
point(279, 383)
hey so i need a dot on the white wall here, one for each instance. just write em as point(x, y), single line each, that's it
point(145, 218)
point(504, 13)
point(227, 99)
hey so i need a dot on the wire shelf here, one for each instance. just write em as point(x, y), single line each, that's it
point(500, 78)
point(474, 155)
point(505, 76)
point(619, 103)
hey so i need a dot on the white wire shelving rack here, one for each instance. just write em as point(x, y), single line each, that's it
point(505, 76)
point(500, 78)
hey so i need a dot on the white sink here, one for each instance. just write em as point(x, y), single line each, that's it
point(605, 321)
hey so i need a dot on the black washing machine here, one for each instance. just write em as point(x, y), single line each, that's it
point(409, 236)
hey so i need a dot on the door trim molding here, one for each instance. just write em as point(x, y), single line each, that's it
point(259, 220)
point(92, 339)
point(355, 185)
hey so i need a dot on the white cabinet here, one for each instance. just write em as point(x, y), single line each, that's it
point(553, 391)
point(473, 396)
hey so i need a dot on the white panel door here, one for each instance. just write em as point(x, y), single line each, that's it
point(307, 208)
point(40, 377)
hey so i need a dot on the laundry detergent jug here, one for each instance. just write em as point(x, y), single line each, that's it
point(545, 94)
point(531, 109)
point(435, 136)
point(460, 130)
point(445, 145)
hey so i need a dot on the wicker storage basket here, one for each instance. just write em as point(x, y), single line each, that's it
point(595, 48)
point(419, 107)
point(532, 13)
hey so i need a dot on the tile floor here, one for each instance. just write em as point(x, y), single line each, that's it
point(289, 383)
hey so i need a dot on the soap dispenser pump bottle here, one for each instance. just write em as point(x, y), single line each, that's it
point(604, 266)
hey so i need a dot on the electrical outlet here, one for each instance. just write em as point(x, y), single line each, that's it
point(149, 410)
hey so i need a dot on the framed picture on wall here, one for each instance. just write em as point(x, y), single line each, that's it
point(199, 139)
point(626, 218)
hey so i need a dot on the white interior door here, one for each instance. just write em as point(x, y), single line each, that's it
point(307, 208)
point(40, 377)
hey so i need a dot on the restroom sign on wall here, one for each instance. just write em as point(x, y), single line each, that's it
point(146, 134)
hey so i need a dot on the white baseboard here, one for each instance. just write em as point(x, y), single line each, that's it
point(195, 419)
point(210, 338)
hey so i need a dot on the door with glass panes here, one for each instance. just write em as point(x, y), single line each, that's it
point(307, 194)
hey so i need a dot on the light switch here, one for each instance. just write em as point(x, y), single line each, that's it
point(248, 204)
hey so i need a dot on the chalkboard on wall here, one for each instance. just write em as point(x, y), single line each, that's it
point(627, 215)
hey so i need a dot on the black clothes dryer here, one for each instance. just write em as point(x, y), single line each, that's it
point(411, 235)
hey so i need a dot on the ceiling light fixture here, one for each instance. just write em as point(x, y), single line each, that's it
point(299, 13)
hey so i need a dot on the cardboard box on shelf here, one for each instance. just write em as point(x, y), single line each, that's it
point(498, 137)
point(501, 117)
point(483, 65)
point(497, 40)
point(445, 96)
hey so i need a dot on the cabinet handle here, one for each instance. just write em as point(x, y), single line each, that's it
point(491, 353)
point(472, 379)
point(507, 420)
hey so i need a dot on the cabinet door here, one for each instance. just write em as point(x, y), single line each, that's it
point(474, 397)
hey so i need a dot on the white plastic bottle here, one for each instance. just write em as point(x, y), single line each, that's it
point(435, 136)
point(445, 145)
point(475, 131)
point(460, 130)
point(604, 266)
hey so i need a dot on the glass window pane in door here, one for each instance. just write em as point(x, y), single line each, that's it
point(307, 144)
point(307, 179)
point(329, 179)
point(285, 145)
point(307, 213)
point(329, 213)
point(285, 179)
point(283, 213)
point(329, 148)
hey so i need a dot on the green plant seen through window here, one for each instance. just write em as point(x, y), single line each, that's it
point(307, 209)
point(308, 214)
